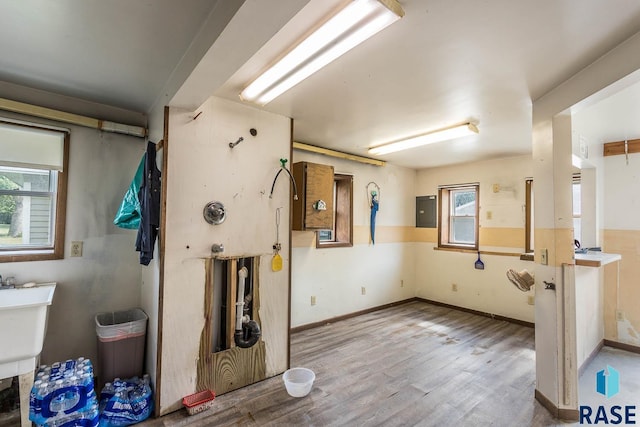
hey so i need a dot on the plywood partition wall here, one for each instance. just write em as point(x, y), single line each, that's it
point(203, 168)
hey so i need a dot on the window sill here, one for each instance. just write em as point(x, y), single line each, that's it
point(475, 251)
point(334, 245)
point(527, 256)
point(15, 256)
point(465, 248)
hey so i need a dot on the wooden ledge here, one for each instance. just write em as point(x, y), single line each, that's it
point(473, 251)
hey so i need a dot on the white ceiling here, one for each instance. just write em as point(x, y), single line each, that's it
point(443, 63)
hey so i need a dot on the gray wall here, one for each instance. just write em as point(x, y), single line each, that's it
point(107, 276)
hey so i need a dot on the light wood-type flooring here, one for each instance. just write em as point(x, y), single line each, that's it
point(413, 364)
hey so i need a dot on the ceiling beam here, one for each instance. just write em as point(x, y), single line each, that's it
point(339, 154)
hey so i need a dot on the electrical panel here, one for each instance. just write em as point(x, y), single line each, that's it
point(427, 211)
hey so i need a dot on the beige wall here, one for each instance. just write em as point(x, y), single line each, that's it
point(335, 276)
point(622, 236)
point(617, 210)
point(502, 222)
point(405, 254)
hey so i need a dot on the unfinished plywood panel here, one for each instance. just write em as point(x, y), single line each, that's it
point(203, 168)
point(315, 184)
point(231, 369)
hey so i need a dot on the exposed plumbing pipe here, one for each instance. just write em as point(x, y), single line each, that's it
point(242, 275)
point(248, 336)
point(247, 331)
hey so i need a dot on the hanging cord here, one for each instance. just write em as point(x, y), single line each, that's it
point(277, 246)
point(283, 166)
point(369, 193)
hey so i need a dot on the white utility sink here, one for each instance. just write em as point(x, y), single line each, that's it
point(23, 322)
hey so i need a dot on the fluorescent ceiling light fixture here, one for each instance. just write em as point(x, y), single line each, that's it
point(352, 25)
point(426, 138)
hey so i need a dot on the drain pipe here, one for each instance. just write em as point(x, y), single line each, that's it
point(247, 331)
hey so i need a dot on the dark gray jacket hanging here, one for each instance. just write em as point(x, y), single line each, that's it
point(149, 196)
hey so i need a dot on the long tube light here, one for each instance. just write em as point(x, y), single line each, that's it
point(426, 138)
point(352, 25)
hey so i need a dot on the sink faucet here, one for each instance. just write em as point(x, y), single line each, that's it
point(9, 283)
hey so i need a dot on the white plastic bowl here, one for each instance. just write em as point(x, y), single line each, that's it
point(298, 381)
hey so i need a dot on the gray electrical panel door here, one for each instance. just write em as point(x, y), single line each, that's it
point(427, 211)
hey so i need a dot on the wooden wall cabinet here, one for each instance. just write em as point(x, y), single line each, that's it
point(315, 182)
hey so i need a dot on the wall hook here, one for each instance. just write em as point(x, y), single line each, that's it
point(233, 144)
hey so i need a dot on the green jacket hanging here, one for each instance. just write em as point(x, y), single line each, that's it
point(129, 213)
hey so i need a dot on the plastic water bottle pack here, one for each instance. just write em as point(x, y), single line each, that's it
point(125, 402)
point(63, 395)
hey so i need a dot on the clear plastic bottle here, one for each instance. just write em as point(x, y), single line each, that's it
point(71, 396)
point(45, 389)
point(58, 402)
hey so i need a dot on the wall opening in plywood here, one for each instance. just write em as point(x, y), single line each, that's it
point(226, 300)
point(226, 361)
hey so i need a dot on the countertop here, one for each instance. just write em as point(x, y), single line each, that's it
point(596, 259)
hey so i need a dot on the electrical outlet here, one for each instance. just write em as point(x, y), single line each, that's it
point(496, 188)
point(454, 287)
point(489, 215)
point(76, 249)
point(363, 290)
point(619, 315)
point(313, 300)
point(401, 283)
point(544, 257)
point(531, 300)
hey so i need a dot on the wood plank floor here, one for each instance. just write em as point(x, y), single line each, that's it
point(413, 364)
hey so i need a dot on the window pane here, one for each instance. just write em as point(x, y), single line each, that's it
point(464, 202)
point(577, 208)
point(24, 179)
point(577, 230)
point(463, 230)
point(325, 235)
point(29, 223)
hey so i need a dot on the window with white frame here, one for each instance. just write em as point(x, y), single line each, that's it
point(458, 222)
point(32, 191)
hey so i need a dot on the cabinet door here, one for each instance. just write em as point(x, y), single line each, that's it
point(319, 187)
point(315, 183)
